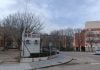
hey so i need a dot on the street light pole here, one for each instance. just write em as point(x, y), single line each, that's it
point(50, 45)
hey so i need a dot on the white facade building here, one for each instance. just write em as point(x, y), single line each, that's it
point(30, 44)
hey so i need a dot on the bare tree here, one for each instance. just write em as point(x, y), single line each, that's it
point(65, 37)
point(69, 32)
point(15, 24)
point(55, 32)
point(79, 38)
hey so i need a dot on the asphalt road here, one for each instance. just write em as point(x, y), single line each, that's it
point(82, 61)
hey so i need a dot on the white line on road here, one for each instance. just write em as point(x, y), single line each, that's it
point(94, 63)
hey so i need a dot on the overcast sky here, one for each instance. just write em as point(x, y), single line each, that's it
point(56, 14)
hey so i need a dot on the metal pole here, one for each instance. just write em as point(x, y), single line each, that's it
point(50, 46)
point(59, 43)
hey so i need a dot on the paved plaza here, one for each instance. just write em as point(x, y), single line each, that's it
point(81, 61)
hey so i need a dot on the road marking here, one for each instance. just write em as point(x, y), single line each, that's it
point(95, 63)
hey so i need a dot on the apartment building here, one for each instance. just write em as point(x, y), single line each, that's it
point(89, 38)
point(92, 35)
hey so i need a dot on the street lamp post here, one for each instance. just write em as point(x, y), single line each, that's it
point(50, 46)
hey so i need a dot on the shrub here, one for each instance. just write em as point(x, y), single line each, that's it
point(43, 54)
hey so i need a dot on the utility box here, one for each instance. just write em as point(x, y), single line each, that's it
point(30, 44)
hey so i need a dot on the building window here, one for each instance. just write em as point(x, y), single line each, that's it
point(36, 42)
point(27, 41)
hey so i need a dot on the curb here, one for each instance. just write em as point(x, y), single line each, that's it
point(53, 65)
point(59, 63)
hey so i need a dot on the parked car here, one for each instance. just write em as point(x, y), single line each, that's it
point(97, 52)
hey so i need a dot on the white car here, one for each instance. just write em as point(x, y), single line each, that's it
point(97, 52)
